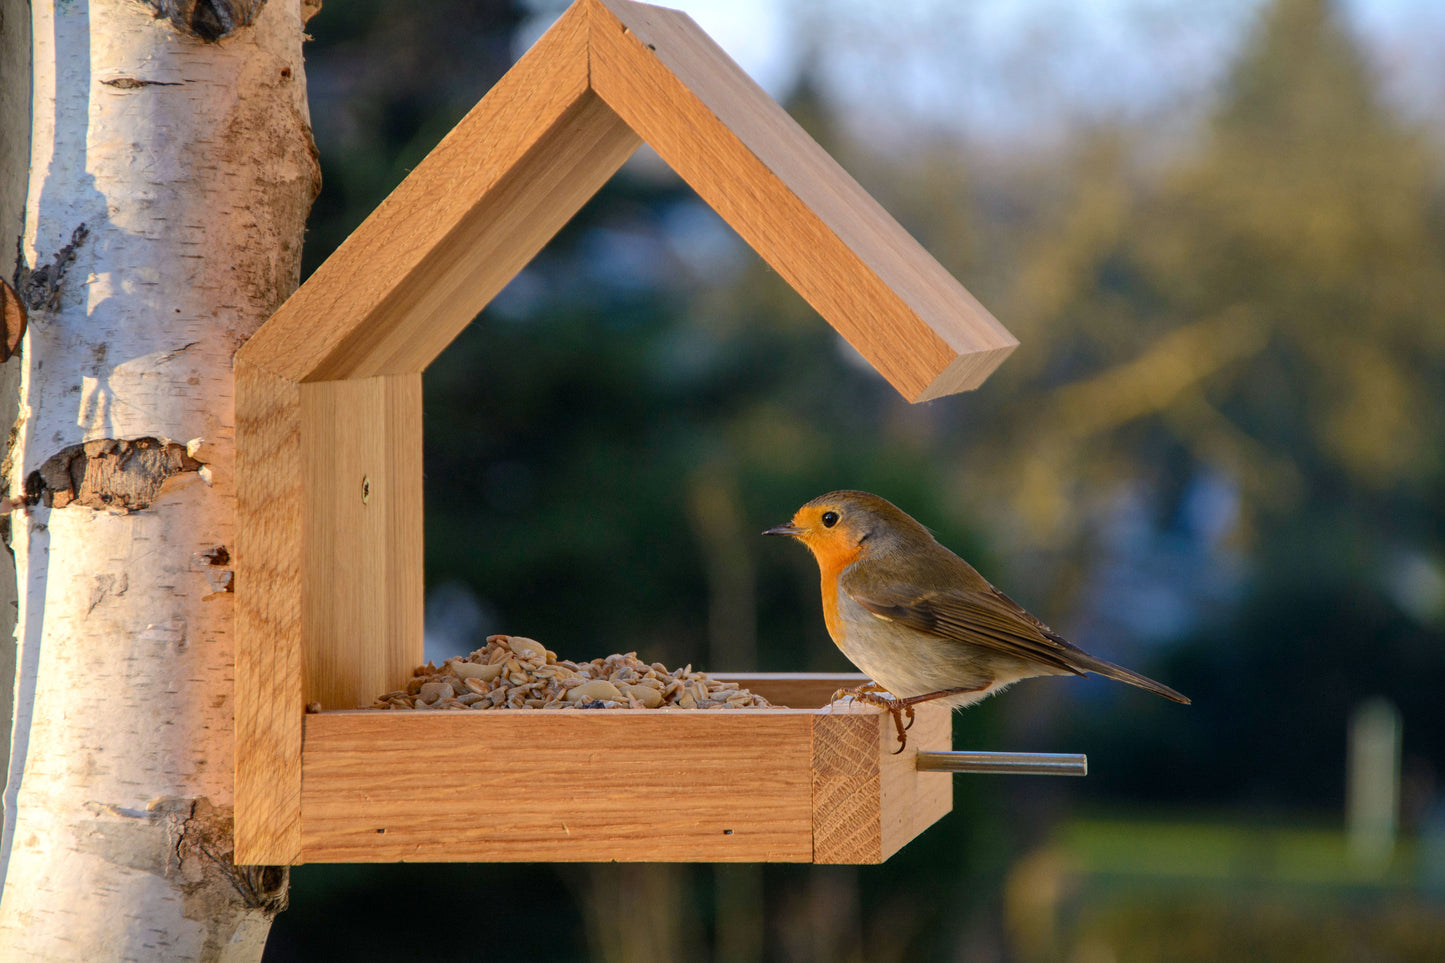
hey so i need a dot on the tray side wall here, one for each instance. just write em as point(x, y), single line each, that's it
point(911, 801)
point(558, 786)
point(868, 801)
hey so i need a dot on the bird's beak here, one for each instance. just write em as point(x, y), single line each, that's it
point(789, 529)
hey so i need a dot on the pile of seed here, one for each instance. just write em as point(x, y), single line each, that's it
point(512, 672)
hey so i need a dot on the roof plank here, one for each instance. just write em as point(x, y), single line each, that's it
point(791, 201)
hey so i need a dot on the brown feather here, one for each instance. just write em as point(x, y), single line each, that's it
point(988, 619)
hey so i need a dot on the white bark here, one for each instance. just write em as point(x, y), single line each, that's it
point(175, 176)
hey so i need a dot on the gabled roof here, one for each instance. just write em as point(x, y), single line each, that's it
point(607, 76)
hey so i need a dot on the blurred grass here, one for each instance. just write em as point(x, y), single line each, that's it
point(1269, 929)
point(1151, 888)
point(1238, 853)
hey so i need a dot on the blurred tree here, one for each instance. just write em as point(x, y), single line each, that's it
point(386, 83)
point(1312, 208)
point(1284, 289)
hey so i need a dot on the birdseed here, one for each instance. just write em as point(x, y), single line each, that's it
point(513, 672)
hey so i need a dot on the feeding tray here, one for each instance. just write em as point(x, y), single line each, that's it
point(329, 589)
point(740, 785)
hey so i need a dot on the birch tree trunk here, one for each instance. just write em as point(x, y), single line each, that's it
point(171, 171)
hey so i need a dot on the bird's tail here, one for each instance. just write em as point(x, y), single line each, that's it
point(1120, 674)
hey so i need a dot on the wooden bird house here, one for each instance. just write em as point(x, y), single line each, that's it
point(329, 508)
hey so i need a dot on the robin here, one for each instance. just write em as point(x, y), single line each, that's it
point(919, 620)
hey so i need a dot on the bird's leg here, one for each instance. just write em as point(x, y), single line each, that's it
point(927, 696)
point(899, 727)
point(875, 695)
point(897, 706)
point(865, 692)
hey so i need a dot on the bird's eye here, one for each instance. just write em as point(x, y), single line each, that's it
point(830, 519)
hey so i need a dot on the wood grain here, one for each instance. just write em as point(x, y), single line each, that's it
point(462, 224)
point(867, 801)
point(910, 801)
point(363, 483)
point(794, 689)
point(791, 202)
point(268, 561)
point(847, 826)
point(557, 785)
point(754, 785)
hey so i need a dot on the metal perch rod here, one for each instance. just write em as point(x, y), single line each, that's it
point(1017, 763)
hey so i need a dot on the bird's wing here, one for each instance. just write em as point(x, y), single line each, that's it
point(983, 616)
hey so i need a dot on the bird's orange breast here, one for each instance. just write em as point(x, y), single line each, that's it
point(833, 557)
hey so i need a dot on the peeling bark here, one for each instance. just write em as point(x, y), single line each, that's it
point(117, 476)
point(39, 288)
point(207, 842)
point(215, 562)
point(135, 83)
point(207, 19)
point(188, 841)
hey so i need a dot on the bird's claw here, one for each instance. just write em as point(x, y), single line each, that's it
point(859, 692)
point(873, 694)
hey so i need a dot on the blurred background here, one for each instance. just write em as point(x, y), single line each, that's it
point(1218, 231)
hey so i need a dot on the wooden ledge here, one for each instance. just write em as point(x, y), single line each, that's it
point(741, 785)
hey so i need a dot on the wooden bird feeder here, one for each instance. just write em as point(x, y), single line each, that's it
point(329, 482)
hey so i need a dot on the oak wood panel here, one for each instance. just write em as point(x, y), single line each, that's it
point(797, 690)
point(910, 801)
point(846, 789)
point(557, 785)
point(554, 785)
point(364, 559)
point(868, 801)
point(268, 558)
